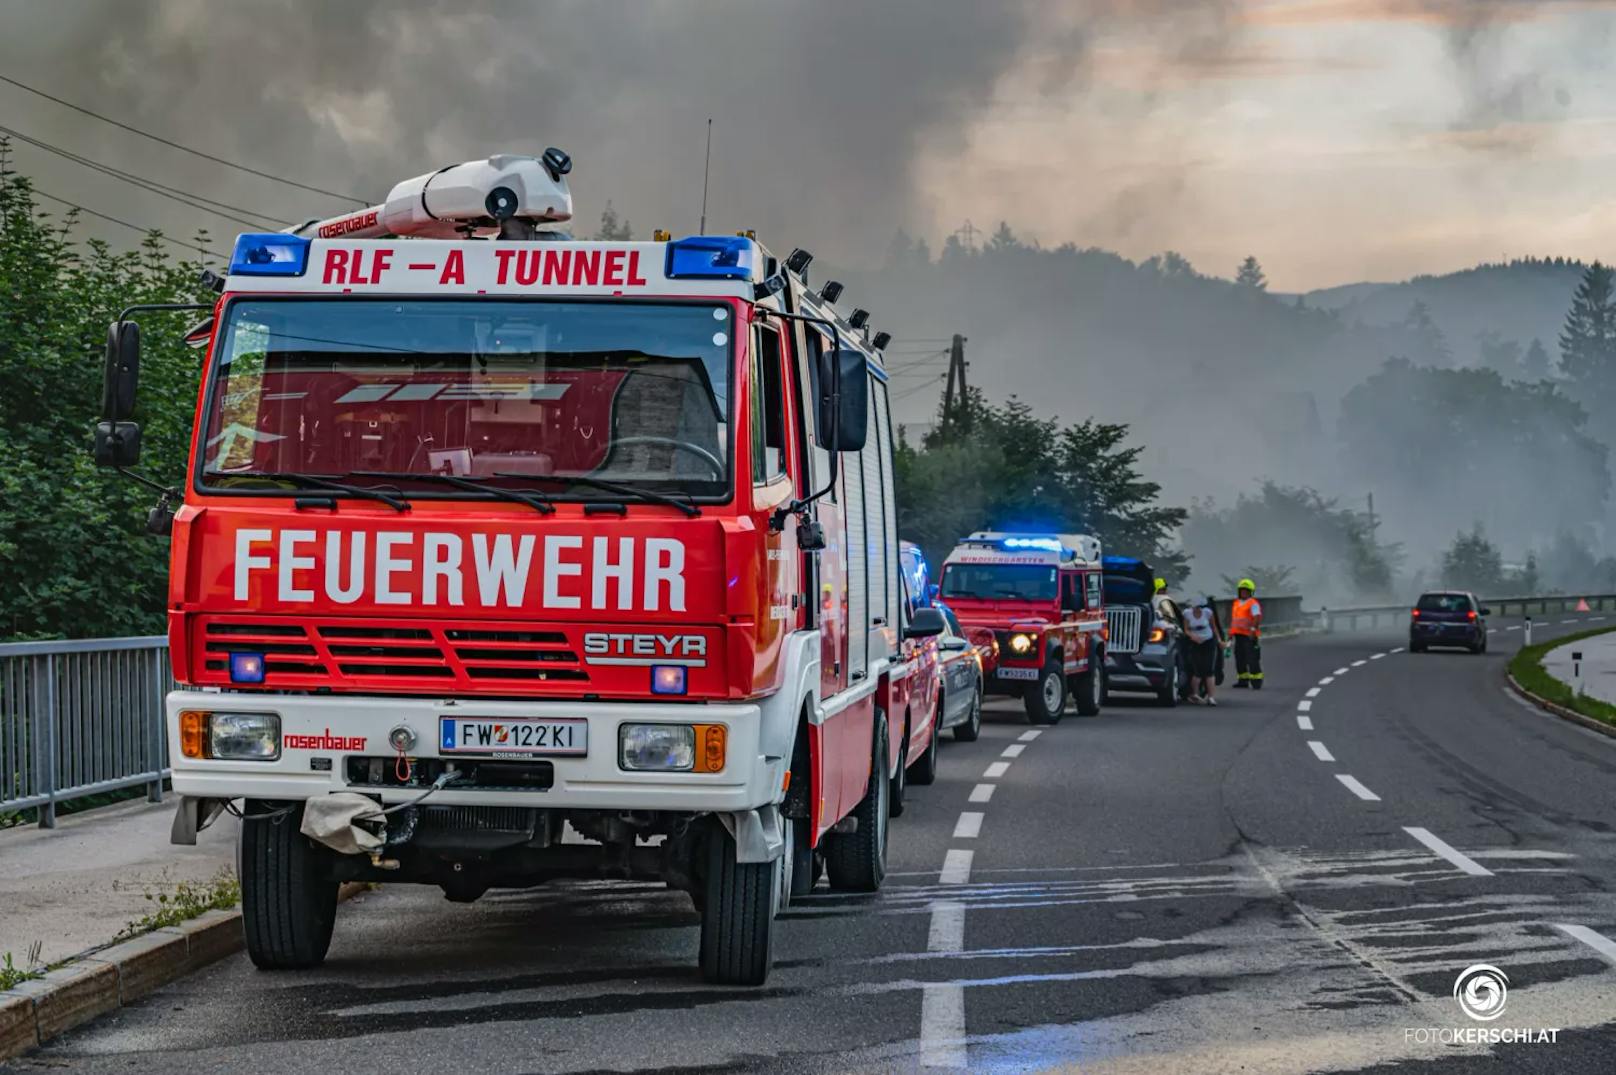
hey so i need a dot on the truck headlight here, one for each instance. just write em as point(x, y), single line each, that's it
point(244, 736)
point(1020, 643)
point(678, 748)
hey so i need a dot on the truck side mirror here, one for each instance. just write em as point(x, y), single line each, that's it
point(117, 444)
point(121, 371)
point(847, 371)
point(925, 623)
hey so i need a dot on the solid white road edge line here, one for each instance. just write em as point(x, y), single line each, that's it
point(969, 825)
point(1304, 723)
point(1031, 734)
point(1319, 750)
point(1351, 784)
point(982, 793)
point(996, 770)
point(1013, 750)
point(1597, 941)
point(1443, 849)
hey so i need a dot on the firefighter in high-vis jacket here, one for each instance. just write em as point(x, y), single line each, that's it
point(1245, 627)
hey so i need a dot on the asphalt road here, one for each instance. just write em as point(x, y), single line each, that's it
point(1290, 882)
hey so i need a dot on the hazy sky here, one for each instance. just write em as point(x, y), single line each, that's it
point(1337, 140)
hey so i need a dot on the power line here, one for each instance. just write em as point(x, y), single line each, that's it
point(182, 148)
point(184, 197)
point(133, 227)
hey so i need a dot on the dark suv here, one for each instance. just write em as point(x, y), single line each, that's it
point(1448, 618)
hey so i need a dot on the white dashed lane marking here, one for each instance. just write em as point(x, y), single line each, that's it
point(1351, 784)
point(1319, 750)
point(1304, 705)
point(1517, 627)
point(1304, 723)
point(1464, 862)
point(1313, 692)
point(1031, 734)
point(1359, 664)
point(1376, 656)
point(969, 825)
point(1395, 649)
point(1326, 681)
point(982, 793)
point(956, 867)
point(1597, 941)
point(996, 770)
point(1342, 671)
point(1013, 750)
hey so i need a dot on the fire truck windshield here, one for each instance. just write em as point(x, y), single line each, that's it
point(999, 582)
point(491, 390)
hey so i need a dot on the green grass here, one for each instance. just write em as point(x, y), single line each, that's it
point(185, 902)
point(11, 974)
point(1527, 668)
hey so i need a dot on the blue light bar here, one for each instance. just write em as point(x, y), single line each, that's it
point(711, 257)
point(272, 254)
point(246, 668)
point(1040, 543)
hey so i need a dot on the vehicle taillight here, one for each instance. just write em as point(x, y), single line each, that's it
point(1415, 614)
point(1471, 614)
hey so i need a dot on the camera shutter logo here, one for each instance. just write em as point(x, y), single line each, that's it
point(1481, 991)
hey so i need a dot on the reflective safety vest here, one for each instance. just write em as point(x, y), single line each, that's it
point(1246, 617)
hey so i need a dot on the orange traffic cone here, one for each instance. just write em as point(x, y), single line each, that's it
point(1582, 605)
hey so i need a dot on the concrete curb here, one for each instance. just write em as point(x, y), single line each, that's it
point(36, 1011)
point(1561, 711)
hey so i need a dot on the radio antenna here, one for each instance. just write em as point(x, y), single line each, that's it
point(706, 170)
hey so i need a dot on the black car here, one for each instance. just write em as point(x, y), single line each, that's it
point(1448, 618)
point(1146, 651)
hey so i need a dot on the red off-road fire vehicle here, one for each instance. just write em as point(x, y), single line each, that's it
point(1039, 596)
point(577, 558)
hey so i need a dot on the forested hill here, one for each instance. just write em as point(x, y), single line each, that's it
point(1224, 382)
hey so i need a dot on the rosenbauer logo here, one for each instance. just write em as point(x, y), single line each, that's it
point(323, 742)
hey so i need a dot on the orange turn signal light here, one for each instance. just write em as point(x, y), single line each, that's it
point(193, 733)
point(711, 743)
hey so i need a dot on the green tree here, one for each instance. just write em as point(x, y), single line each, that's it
point(1250, 276)
point(613, 228)
point(1588, 340)
point(1003, 238)
point(1473, 563)
point(74, 555)
point(1009, 469)
point(1430, 346)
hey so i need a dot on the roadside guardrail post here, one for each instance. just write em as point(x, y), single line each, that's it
point(154, 738)
point(47, 717)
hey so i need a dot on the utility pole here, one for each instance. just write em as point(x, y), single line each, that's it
point(956, 370)
point(1374, 524)
point(706, 170)
point(969, 231)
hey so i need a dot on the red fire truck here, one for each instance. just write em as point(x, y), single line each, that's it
point(504, 557)
point(1040, 597)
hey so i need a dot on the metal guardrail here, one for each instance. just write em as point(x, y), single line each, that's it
point(81, 717)
point(1369, 617)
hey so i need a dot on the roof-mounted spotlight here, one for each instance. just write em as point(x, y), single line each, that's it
point(881, 340)
point(799, 260)
point(859, 319)
point(556, 163)
point(831, 291)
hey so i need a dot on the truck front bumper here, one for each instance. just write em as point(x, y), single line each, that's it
point(360, 725)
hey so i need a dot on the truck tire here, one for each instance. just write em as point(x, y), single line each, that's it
point(737, 916)
point(1167, 694)
point(967, 732)
point(857, 861)
point(287, 908)
point(804, 862)
point(924, 770)
point(1091, 689)
point(1046, 699)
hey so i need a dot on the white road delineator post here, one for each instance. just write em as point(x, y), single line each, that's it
point(1527, 638)
point(1576, 672)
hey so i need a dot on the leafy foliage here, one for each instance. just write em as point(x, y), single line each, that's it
point(1473, 563)
point(185, 902)
point(1002, 467)
point(73, 547)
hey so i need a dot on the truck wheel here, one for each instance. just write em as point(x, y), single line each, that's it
point(804, 868)
point(1046, 700)
point(287, 908)
point(857, 861)
point(737, 917)
point(924, 770)
point(1167, 695)
point(900, 778)
point(1091, 690)
point(967, 732)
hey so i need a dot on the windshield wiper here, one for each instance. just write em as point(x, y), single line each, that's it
point(537, 501)
point(602, 484)
point(315, 481)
